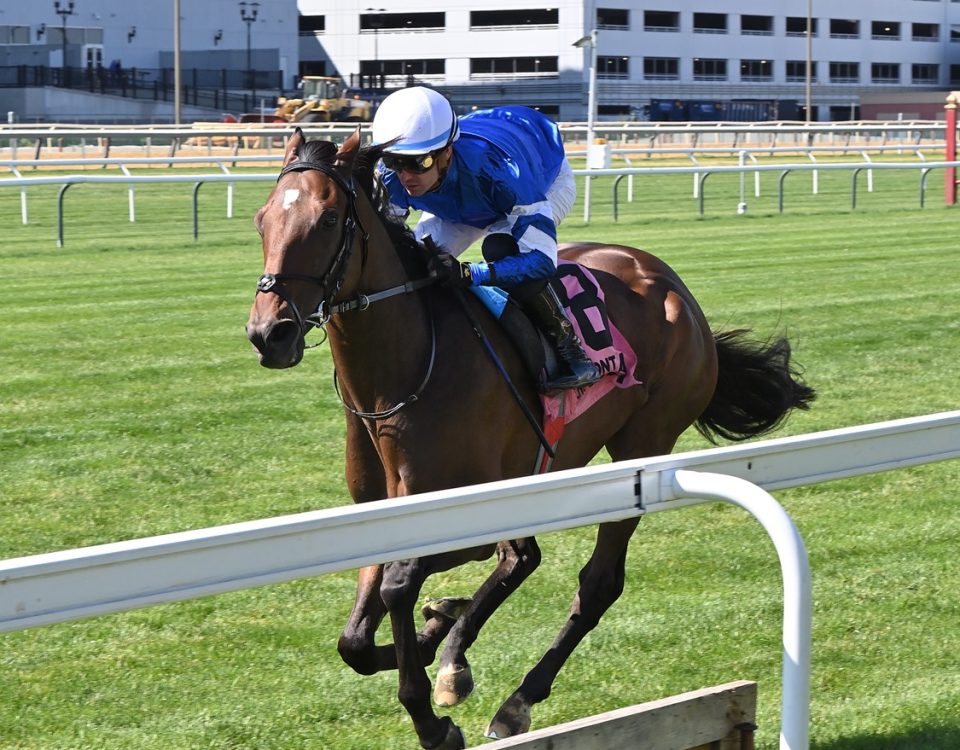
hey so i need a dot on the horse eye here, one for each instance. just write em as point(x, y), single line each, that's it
point(329, 219)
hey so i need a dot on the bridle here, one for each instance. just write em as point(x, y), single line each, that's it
point(332, 280)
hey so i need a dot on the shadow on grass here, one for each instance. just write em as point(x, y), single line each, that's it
point(942, 738)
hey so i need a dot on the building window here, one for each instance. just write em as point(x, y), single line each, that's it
point(797, 26)
point(613, 67)
point(797, 71)
point(756, 25)
point(615, 19)
point(756, 70)
point(486, 20)
point(616, 111)
point(925, 73)
point(401, 21)
point(926, 32)
point(844, 28)
point(844, 72)
point(885, 73)
point(513, 67)
point(661, 68)
point(954, 75)
point(661, 20)
point(15, 34)
point(402, 68)
point(310, 25)
point(709, 69)
point(889, 30)
point(955, 32)
point(709, 23)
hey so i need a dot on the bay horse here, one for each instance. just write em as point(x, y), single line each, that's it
point(426, 409)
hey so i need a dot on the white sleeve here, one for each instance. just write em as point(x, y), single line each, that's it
point(451, 237)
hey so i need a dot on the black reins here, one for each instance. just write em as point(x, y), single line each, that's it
point(271, 283)
point(332, 280)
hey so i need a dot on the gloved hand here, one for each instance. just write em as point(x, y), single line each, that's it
point(449, 271)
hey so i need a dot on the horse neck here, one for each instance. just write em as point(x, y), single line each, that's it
point(383, 349)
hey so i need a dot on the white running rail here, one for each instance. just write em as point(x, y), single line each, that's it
point(73, 584)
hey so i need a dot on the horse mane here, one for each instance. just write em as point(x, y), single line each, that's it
point(411, 252)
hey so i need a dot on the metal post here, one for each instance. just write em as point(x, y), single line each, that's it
point(63, 11)
point(591, 42)
point(177, 82)
point(809, 72)
point(376, 24)
point(950, 186)
point(248, 17)
point(797, 590)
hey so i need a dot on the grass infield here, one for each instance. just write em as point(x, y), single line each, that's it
point(131, 404)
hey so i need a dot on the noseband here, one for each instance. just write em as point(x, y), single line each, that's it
point(332, 280)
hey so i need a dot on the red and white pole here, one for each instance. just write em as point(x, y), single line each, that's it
point(950, 188)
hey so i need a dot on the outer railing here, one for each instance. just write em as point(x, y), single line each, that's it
point(700, 174)
point(912, 131)
point(73, 584)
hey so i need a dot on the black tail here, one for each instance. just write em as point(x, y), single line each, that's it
point(757, 387)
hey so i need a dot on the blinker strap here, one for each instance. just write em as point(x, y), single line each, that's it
point(301, 166)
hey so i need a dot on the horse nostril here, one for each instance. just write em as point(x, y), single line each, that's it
point(282, 335)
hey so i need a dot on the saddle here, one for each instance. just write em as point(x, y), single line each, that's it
point(583, 302)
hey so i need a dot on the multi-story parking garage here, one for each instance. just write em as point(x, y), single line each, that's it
point(683, 59)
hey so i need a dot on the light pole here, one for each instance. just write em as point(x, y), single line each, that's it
point(177, 75)
point(248, 17)
point(63, 11)
point(591, 42)
point(809, 72)
point(376, 24)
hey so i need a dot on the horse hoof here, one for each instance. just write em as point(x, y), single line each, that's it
point(448, 607)
point(454, 685)
point(512, 719)
point(454, 739)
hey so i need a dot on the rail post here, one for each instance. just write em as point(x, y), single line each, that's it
point(950, 186)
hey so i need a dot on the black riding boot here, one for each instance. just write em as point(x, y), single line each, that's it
point(547, 313)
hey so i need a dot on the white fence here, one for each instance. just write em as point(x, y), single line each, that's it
point(737, 133)
point(62, 586)
point(700, 174)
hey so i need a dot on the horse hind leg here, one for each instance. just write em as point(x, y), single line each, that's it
point(357, 645)
point(516, 560)
point(601, 583)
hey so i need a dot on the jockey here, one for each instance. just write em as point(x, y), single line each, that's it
point(497, 174)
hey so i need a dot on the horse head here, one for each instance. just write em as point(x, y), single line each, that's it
point(308, 228)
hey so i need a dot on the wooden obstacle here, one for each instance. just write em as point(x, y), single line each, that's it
point(715, 718)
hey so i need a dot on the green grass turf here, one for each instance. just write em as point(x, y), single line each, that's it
point(131, 404)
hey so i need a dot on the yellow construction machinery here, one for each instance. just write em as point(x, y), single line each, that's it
point(322, 99)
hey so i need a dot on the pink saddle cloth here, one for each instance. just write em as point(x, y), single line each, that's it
point(602, 342)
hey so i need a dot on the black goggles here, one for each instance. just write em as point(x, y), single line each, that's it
point(417, 164)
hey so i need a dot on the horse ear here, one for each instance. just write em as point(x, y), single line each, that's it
point(348, 151)
point(293, 146)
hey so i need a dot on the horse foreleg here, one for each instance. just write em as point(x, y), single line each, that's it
point(516, 560)
point(400, 589)
point(601, 583)
point(356, 644)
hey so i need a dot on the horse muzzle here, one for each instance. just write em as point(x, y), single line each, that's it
point(278, 341)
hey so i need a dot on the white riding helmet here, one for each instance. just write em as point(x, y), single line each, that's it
point(420, 119)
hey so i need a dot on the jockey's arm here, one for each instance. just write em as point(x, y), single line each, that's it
point(534, 235)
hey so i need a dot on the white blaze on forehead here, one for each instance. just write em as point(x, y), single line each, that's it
point(289, 198)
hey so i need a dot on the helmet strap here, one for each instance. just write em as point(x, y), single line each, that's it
point(443, 164)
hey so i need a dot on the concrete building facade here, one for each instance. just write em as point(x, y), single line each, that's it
point(649, 52)
point(682, 59)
